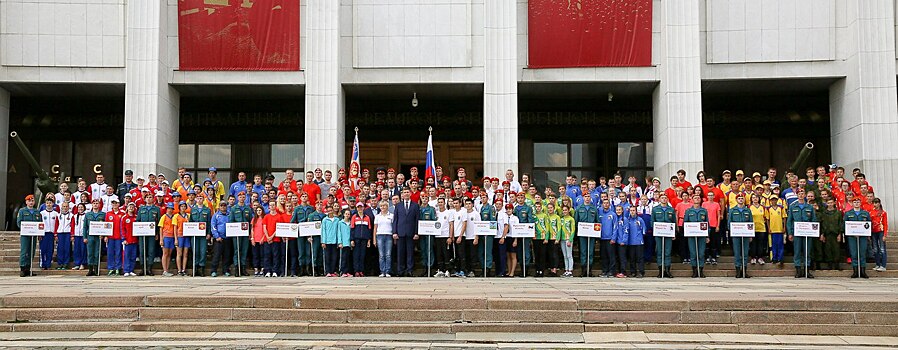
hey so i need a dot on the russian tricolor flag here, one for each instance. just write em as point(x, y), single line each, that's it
point(430, 170)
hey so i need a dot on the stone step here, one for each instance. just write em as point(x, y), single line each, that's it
point(446, 328)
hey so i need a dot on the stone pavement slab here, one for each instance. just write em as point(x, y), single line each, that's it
point(887, 341)
point(615, 337)
point(812, 339)
point(520, 337)
point(743, 338)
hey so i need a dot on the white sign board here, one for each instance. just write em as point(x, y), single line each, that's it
point(308, 229)
point(522, 230)
point(742, 229)
point(100, 228)
point(32, 229)
point(144, 229)
point(664, 229)
point(286, 230)
point(858, 228)
point(194, 229)
point(237, 229)
point(806, 229)
point(695, 229)
point(429, 228)
point(589, 229)
point(487, 228)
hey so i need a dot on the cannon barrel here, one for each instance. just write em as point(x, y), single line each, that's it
point(800, 161)
point(44, 182)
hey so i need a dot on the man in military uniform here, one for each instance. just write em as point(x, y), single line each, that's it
point(800, 211)
point(697, 244)
point(201, 213)
point(857, 246)
point(149, 212)
point(488, 212)
point(241, 212)
point(125, 187)
point(831, 226)
point(26, 244)
point(666, 214)
point(298, 248)
point(586, 212)
point(740, 213)
point(426, 213)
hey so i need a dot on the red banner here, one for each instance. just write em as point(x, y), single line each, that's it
point(590, 33)
point(238, 34)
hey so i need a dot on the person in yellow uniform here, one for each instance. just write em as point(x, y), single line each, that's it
point(758, 249)
point(776, 226)
point(552, 224)
point(567, 229)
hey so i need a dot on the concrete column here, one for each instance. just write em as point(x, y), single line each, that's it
point(324, 113)
point(500, 88)
point(151, 104)
point(677, 110)
point(864, 105)
point(4, 149)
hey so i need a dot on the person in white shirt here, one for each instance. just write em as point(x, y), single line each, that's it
point(459, 224)
point(65, 224)
point(98, 189)
point(383, 234)
point(515, 185)
point(79, 242)
point(107, 198)
point(507, 245)
point(60, 196)
point(471, 238)
point(443, 243)
point(49, 216)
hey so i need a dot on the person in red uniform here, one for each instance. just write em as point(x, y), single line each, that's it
point(681, 179)
point(129, 240)
point(312, 189)
point(114, 242)
point(288, 184)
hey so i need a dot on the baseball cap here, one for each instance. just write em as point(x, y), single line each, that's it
point(176, 194)
point(144, 189)
point(182, 203)
point(151, 174)
point(129, 172)
point(509, 206)
point(726, 172)
point(360, 204)
point(140, 178)
point(160, 193)
point(114, 200)
point(170, 205)
point(740, 172)
point(756, 174)
point(211, 169)
point(29, 197)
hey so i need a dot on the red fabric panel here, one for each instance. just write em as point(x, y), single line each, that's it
point(590, 33)
point(238, 34)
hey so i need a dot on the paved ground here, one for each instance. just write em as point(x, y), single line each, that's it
point(549, 288)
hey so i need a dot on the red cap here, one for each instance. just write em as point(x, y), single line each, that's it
point(486, 178)
point(511, 193)
point(414, 168)
point(495, 179)
point(446, 178)
point(365, 170)
point(30, 196)
point(509, 206)
point(391, 169)
point(475, 188)
point(380, 183)
point(506, 183)
point(500, 191)
point(414, 178)
point(460, 169)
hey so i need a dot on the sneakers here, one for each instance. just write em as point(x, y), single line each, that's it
point(713, 261)
point(382, 275)
point(214, 274)
point(459, 274)
point(620, 275)
point(567, 274)
point(761, 261)
point(754, 261)
point(387, 275)
point(268, 274)
point(345, 275)
point(167, 274)
point(879, 269)
point(438, 274)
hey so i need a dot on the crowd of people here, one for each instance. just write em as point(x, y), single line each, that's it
point(370, 227)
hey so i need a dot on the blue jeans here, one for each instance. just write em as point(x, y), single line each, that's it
point(879, 249)
point(385, 250)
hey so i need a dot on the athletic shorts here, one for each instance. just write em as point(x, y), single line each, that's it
point(168, 242)
point(184, 242)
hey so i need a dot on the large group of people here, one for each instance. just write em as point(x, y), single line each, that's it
point(369, 227)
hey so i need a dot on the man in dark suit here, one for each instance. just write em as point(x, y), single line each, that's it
point(405, 232)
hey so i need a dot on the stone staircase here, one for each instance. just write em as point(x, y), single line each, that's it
point(442, 315)
point(9, 257)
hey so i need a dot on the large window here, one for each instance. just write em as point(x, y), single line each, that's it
point(553, 162)
point(229, 159)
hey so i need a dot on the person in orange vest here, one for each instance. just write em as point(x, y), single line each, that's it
point(167, 231)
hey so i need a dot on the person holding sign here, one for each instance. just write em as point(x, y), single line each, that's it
point(740, 214)
point(442, 242)
point(26, 243)
point(564, 228)
point(148, 212)
point(114, 242)
point(129, 240)
point(485, 251)
point(697, 243)
point(316, 260)
point(426, 213)
point(857, 245)
point(93, 242)
point(302, 252)
point(240, 212)
point(201, 213)
point(636, 230)
point(182, 243)
point(663, 213)
point(800, 211)
point(220, 244)
point(167, 230)
point(589, 214)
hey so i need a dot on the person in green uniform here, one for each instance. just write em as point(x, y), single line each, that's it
point(489, 212)
point(26, 244)
point(148, 212)
point(800, 211)
point(201, 213)
point(524, 213)
point(553, 226)
point(316, 254)
point(740, 213)
point(541, 242)
point(586, 212)
point(666, 214)
point(697, 244)
point(298, 249)
point(831, 226)
point(426, 213)
point(567, 229)
point(241, 212)
point(94, 243)
point(857, 246)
